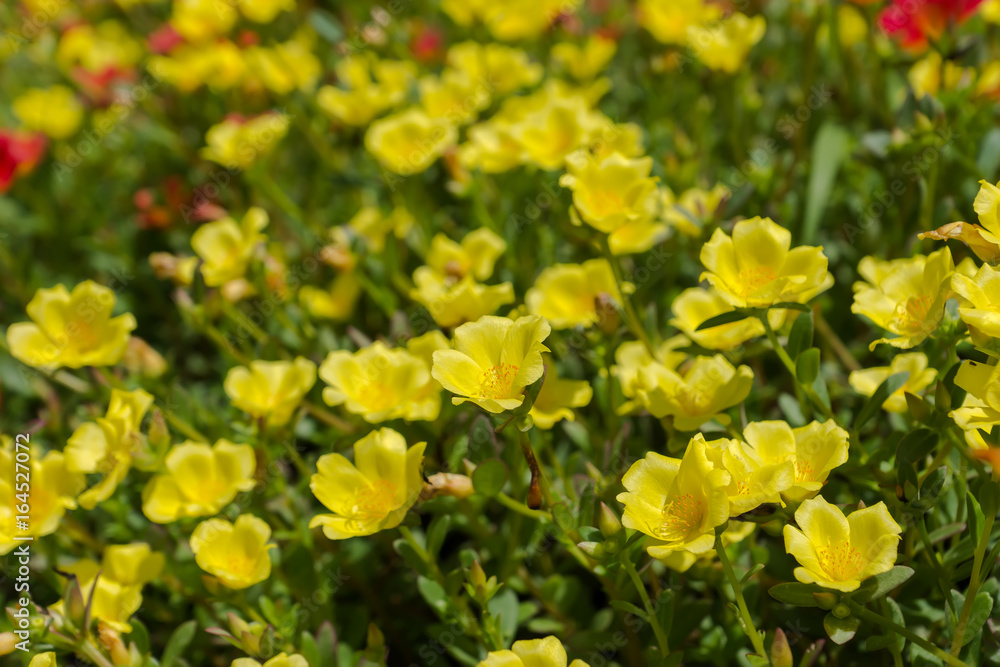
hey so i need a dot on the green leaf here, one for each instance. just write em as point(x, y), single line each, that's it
point(723, 318)
point(489, 477)
point(981, 608)
point(309, 650)
point(801, 336)
point(757, 660)
point(789, 305)
point(878, 642)
point(989, 498)
point(178, 641)
point(916, 445)
point(409, 554)
point(796, 594)
point(630, 608)
point(881, 584)
point(434, 594)
point(436, 533)
point(989, 155)
point(976, 518)
point(874, 403)
point(752, 571)
point(840, 630)
point(326, 25)
point(807, 366)
point(831, 148)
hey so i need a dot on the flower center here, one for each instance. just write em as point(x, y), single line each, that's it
point(841, 561)
point(376, 501)
point(239, 564)
point(804, 471)
point(376, 396)
point(914, 312)
point(605, 202)
point(497, 381)
point(755, 279)
point(680, 516)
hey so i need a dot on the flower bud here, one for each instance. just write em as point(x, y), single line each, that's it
point(608, 522)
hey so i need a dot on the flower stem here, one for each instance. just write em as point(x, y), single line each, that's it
point(631, 317)
point(974, 582)
point(537, 487)
point(751, 629)
point(521, 508)
point(866, 615)
point(790, 365)
point(654, 621)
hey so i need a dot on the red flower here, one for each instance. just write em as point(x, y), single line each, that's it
point(914, 21)
point(19, 153)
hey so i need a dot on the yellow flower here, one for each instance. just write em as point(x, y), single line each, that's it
point(754, 478)
point(612, 192)
point(551, 133)
point(511, 20)
point(53, 490)
point(453, 97)
point(475, 255)
point(632, 356)
point(234, 553)
point(812, 450)
point(265, 11)
point(494, 359)
point(96, 49)
point(668, 22)
point(374, 227)
point(108, 445)
point(981, 408)
point(904, 296)
point(696, 392)
point(679, 503)
point(280, 660)
point(71, 329)
point(372, 494)
point(236, 143)
point(380, 383)
point(979, 305)
point(587, 61)
point(54, 111)
point(271, 389)
point(116, 584)
point(557, 398)
point(689, 213)
point(866, 381)
point(202, 20)
point(725, 44)
point(570, 295)
point(283, 68)
point(409, 142)
point(200, 480)
point(226, 247)
point(926, 75)
point(547, 652)
point(365, 98)
point(696, 305)
point(756, 268)
point(503, 68)
point(47, 659)
point(840, 552)
point(335, 303)
point(220, 65)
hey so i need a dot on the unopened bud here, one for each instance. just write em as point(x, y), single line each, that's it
point(8, 640)
point(781, 652)
point(448, 484)
point(608, 522)
point(477, 577)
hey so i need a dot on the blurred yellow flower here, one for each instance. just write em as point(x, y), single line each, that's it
point(409, 142)
point(867, 380)
point(54, 111)
point(724, 45)
point(929, 76)
point(494, 359)
point(53, 490)
point(696, 305)
point(616, 195)
point(200, 480)
point(372, 494)
point(380, 383)
point(632, 356)
point(570, 295)
point(981, 408)
point(374, 227)
point(110, 445)
point(265, 11)
point(756, 268)
point(220, 65)
point(98, 48)
point(979, 302)
point(335, 303)
point(510, 20)
point(371, 87)
point(668, 22)
point(476, 255)
point(558, 397)
point(71, 329)
point(694, 393)
point(283, 68)
point(236, 554)
point(587, 61)
point(904, 296)
point(840, 552)
point(503, 69)
point(280, 660)
point(689, 213)
point(453, 96)
point(271, 389)
point(677, 502)
point(202, 20)
point(47, 659)
point(226, 247)
point(547, 652)
point(236, 143)
point(551, 133)
point(115, 586)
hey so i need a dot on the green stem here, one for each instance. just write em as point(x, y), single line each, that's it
point(751, 629)
point(521, 508)
point(872, 617)
point(790, 365)
point(974, 582)
point(631, 316)
point(654, 621)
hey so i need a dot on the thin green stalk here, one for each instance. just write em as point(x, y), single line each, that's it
point(654, 621)
point(790, 365)
point(521, 508)
point(755, 638)
point(974, 582)
point(878, 619)
point(631, 317)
